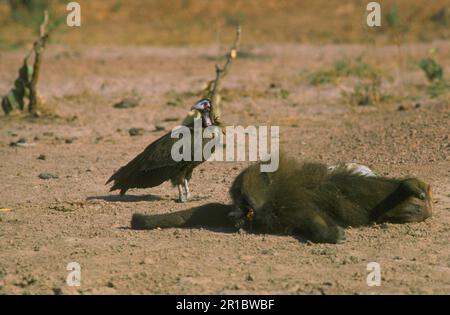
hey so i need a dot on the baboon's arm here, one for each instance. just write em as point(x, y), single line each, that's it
point(313, 225)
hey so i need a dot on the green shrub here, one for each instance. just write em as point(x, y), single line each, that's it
point(393, 17)
point(367, 93)
point(322, 77)
point(344, 68)
point(437, 88)
point(432, 69)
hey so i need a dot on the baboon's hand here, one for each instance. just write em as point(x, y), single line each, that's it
point(340, 235)
point(237, 216)
point(336, 235)
point(415, 188)
point(331, 234)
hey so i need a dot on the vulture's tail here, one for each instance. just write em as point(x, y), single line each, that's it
point(125, 177)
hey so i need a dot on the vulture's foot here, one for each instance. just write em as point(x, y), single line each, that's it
point(184, 199)
point(198, 197)
point(184, 194)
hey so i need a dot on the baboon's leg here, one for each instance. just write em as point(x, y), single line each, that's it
point(410, 202)
point(313, 225)
point(213, 215)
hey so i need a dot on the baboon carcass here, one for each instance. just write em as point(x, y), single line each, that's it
point(311, 200)
point(307, 199)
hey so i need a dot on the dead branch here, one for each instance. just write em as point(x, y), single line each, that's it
point(222, 72)
point(213, 87)
point(38, 48)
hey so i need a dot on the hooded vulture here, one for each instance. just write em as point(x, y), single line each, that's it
point(155, 165)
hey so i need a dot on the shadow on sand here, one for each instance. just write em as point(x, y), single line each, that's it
point(125, 198)
point(211, 216)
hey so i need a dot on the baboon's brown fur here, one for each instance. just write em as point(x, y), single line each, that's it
point(306, 199)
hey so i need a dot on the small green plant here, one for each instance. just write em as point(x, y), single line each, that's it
point(28, 12)
point(357, 68)
point(441, 17)
point(116, 6)
point(322, 77)
point(18, 4)
point(277, 91)
point(17, 96)
point(233, 19)
point(344, 68)
point(432, 69)
point(435, 74)
point(438, 88)
point(366, 93)
point(24, 94)
point(393, 17)
point(284, 94)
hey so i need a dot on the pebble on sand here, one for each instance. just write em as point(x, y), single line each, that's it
point(127, 103)
point(136, 132)
point(48, 176)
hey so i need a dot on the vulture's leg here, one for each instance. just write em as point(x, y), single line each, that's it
point(181, 195)
point(186, 189)
point(187, 193)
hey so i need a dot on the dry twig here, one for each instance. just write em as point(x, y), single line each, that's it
point(213, 87)
point(38, 48)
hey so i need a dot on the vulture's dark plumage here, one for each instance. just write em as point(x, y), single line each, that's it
point(155, 164)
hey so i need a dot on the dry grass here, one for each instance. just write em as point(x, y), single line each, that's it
point(183, 22)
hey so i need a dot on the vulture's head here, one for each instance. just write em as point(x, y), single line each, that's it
point(204, 107)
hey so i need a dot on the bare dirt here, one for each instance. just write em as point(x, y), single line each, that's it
point(74, 218)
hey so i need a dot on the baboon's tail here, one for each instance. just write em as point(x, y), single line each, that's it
point(213, 215)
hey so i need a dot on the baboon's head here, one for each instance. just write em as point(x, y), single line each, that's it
point(204, 106)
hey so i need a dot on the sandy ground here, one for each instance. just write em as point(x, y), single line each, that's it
point(73, 218)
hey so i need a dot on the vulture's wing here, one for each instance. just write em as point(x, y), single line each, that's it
point(150, 168)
